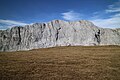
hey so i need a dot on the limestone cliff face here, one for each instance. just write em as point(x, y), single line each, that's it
point(57, 33)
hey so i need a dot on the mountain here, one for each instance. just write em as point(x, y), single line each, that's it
point(57, 33)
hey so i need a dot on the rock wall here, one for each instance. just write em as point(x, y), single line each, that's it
point(57, 33)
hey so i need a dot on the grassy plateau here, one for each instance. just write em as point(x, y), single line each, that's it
point(62, 63)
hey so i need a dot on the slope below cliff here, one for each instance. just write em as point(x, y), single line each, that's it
point(57, 33)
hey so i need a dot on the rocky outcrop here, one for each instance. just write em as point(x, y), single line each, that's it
point(57, 33)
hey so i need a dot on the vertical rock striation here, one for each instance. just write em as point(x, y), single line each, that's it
point(57, 33)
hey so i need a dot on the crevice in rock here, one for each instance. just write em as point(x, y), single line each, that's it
point(42, 30)
point(4, 37)
point(52, 24)
point(43, 27)
point(97, 36)
point(36, 40)
point(44, 24)
point(57, 33)
point(19, 36)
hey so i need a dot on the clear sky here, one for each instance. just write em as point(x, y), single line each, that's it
point(103, 13)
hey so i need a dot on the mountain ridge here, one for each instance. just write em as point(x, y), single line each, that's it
point(57, 33)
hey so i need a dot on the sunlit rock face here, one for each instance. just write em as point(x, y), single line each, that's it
point(57, 33)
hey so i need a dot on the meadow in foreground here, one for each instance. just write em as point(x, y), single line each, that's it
point(62, 63)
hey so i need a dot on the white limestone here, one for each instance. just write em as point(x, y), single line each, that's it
point(57, 33)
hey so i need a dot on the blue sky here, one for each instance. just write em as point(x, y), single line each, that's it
point(103, 13)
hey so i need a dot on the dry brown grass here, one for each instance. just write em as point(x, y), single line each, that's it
point(62, 63)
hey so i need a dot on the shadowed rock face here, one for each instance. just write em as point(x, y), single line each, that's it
point(57, 33)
